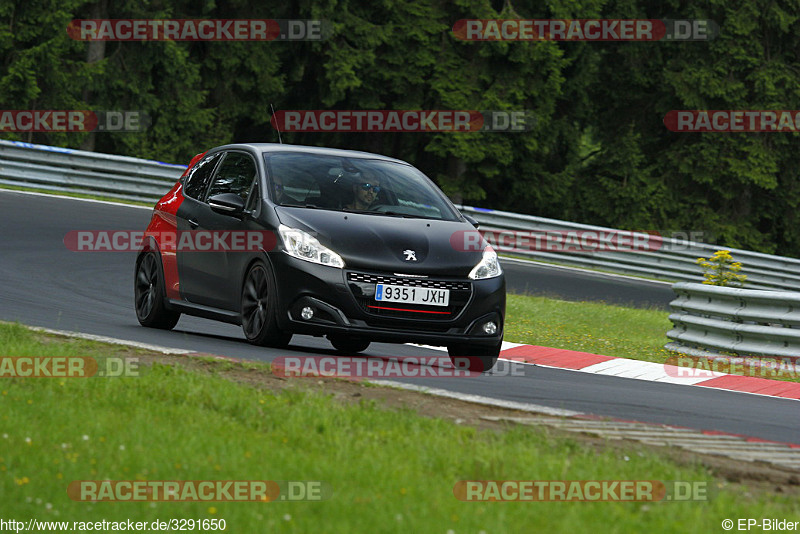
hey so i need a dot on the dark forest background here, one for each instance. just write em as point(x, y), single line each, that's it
point(599, 152)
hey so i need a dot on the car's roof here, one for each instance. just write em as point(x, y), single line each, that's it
point(277, 147)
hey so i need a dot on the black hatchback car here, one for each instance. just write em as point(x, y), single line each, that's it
point(355, 246)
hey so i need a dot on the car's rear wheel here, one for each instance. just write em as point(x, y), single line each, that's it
point(148, 291)
point(348, 345)
point(475, 358)
point(259, 309)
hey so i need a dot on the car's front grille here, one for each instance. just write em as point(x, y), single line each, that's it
point(408, 281)
point(362, 286)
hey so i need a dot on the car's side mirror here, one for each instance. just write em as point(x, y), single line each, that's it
point(227, 204)
point(472, 220)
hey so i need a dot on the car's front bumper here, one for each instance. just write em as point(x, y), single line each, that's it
point(340, 299)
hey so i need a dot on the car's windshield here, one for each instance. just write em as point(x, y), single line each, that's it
point(354, 184)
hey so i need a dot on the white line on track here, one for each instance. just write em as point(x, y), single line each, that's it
point(112, 340)
point(585, 271)
point(79, 199)
point(478, 399)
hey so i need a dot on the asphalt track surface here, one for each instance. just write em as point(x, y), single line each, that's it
point(569, 283)
point(42, 283)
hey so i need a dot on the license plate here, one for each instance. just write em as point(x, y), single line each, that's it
point(412, 295)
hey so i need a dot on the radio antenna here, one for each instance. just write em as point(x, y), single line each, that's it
point(276, 123)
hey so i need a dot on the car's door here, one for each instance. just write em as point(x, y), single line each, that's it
point(195, 186)
point(205, 266)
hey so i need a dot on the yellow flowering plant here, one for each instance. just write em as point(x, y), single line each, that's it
point(722, 270)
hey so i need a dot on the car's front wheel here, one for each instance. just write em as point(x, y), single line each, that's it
point(259, 309)
point(348, 345)
point(148, 291)
point(475, 358)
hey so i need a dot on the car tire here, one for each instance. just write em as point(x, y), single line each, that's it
point(474, 358)
point(348, 345)
point(260, 308)
point(148, 291)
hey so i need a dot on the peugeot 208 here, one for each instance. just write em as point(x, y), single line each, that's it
point(358, 247)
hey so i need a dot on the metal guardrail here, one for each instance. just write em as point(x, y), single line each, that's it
point(712, 319)
point(673, 260)
point(62, 169)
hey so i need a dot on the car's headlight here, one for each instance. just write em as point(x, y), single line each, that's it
point(488, 267)
point(303, 246)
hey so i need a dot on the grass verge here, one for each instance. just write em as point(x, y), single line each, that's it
point(388, 471)
point(588, 326)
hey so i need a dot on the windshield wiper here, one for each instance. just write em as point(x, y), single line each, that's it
point(312, 206)
point(396, 214)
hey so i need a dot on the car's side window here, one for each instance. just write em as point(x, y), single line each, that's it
point(235, 175)
point(198, 178)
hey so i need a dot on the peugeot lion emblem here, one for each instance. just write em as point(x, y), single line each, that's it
point(410, 255)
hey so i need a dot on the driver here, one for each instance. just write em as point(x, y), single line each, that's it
point(365, 192)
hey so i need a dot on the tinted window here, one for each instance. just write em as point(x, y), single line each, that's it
point(236, 174)
point(197, 179)
point(355, 184)
point(293, 179)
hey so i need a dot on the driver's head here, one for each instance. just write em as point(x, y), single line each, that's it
point(367, 188)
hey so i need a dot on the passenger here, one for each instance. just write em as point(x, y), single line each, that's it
point(280, 194)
